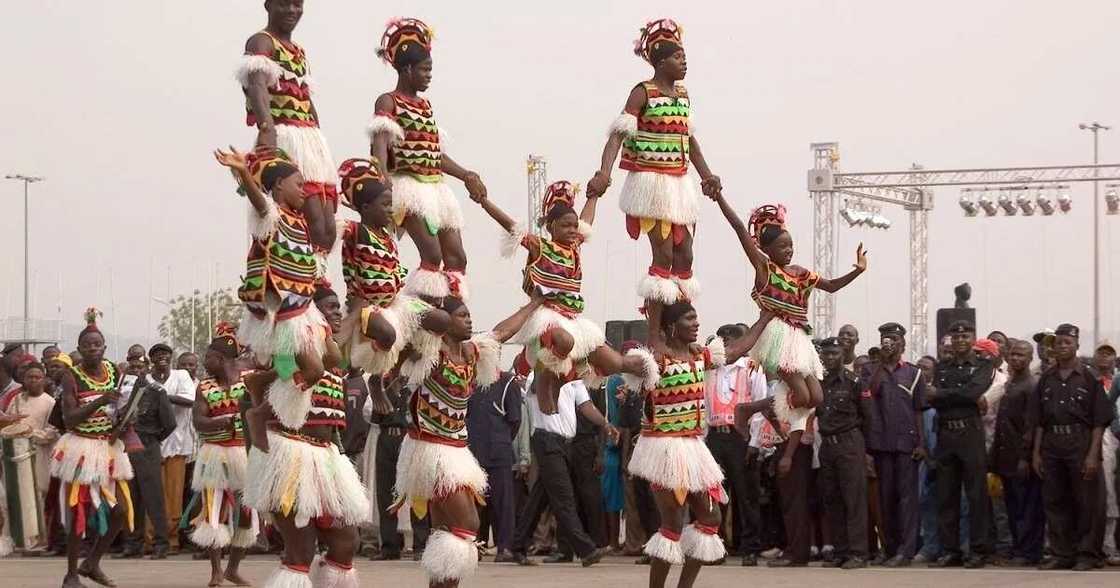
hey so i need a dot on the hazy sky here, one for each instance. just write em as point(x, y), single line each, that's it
point(119, 104)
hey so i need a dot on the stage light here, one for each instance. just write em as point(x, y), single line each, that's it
point(1025, 204)
point(1064, 201)
point(1112, 201)
point(968, 206)
point(1007, 204)
point(987, 204)
point(1045, 204)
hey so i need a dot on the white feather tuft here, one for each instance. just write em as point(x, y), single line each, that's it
point(689, 287)
point(423, 282)
point(665, 549)
point(448, 557)
point(702, 546)
point(652, 375)
point(560, 366)
point(626, 125)
point(384, 124)
point(285, 577)
point(511, 241)
point(289, 403)
point(210, 536)
point(585, 230)
point(252, 64)
point(656, 288)
point(717, 353)
point(487, 367)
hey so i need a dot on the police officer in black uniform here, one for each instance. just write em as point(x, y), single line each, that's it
point(896, 439)
point(959, 382)
point(1071, 411)
point(843, 481)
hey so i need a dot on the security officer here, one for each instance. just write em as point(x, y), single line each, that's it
point(1071, 411)
point(896, 440)
point(959, 382)
point(843, 481)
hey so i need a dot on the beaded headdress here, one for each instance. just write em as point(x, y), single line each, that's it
point(656, 32)
point(353, 173)
point(400, 33)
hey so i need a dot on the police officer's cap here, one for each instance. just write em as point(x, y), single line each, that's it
point(893, 329)
point(1067, 330)
point(961, 326)
point(829, 342)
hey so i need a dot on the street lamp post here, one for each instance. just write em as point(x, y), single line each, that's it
point(26, 249)
point(1096, 128)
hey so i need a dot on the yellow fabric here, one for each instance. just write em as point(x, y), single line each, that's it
point(420, 507)
point(73, 500)
point(681, 494)
point(127, 497)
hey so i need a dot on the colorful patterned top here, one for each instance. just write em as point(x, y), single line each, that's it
point(222, 401)
point(284, 263)
point(676, 407)
point(290, 96)
point(328, 401)
point(438, 408)
point(371, 264)
point(418, 154)
point(98, 424)
point(661, 142)
point(558, 273)
point(786, 295)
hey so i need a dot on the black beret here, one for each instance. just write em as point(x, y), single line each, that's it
point(829, 342)
point(1068, 330)
point(892, 329)
point(961, 326)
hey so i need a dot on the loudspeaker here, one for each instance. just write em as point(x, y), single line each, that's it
point(948, 316)
point(618, 332)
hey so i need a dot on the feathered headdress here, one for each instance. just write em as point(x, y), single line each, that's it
point(562, 193)
point(400, 33)
point(225, 340)
point(91, 315)
point(767, 215)
point(352, 175)
point(656, 32)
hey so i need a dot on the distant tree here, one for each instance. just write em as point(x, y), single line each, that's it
point(177, 329)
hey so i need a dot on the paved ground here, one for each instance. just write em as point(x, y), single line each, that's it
point(181, 572)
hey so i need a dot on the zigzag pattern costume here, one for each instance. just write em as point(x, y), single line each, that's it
point(305, 477)
point(279, 321)
point(415, 163)
point(435, 461)
point(556, 271)
point(94, 474)
point(671, 453)
point(373, 273)
point(291, 88)
point(219, 474)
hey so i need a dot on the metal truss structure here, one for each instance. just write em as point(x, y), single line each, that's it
point(537, 169)
point(911, 190)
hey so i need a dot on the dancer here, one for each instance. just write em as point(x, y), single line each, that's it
point(670, 453)
point(276, 78)
point(785, 348)
point(279, 323)
point(310, 491)
point(382, 320)
point(409, 146)
point(219, 468)
point(89, 461)
point(560, 344)
point(436, 471)
point(657, 143)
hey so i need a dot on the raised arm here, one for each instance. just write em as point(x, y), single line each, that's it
point(380, 138)
point(757, 258)
point(256, 88)
point(497, 214)
point(741, 346)
point(587, 215)
point(507, 328)
point(599, 182)
point(235, 160)
point(834, 284)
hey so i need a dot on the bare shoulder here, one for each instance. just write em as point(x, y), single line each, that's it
point(259, 43)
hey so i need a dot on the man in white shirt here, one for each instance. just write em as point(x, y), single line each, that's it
point(179, 447)
point(727, 387)
point(551, 446)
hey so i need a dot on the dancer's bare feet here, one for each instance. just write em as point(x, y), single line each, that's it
point(72, 581)
point(215, 579)
point(94, 573)
point(234, 577)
